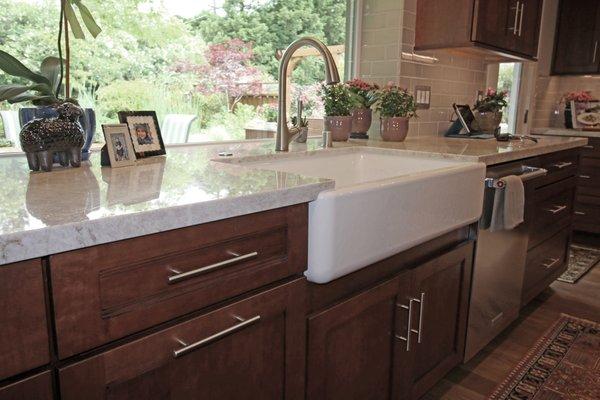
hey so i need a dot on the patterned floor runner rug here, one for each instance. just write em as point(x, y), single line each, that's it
point(581, 260)
point(563, 365)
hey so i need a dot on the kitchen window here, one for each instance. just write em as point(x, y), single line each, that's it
point(212, 62)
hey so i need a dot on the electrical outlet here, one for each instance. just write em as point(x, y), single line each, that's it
point(423, 97)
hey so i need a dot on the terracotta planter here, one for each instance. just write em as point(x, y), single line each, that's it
point(488, 122)
point(361, 122)
point(339, 127)
point(394, 129)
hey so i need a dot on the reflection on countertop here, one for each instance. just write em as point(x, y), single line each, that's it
point(566, 132)
point(48, 213)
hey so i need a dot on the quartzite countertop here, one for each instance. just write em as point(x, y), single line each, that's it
point(67, 209)
point(566, 132)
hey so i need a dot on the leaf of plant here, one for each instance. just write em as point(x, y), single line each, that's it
point(7, 92)
point(88, 19)
point(73, 22)
point(35, 98)
point(50, 68)
point(14, 67)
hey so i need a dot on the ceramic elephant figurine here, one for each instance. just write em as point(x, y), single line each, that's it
point(42, 138)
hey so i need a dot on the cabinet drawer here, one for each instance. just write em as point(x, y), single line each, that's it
point(587, 217)
point(560, 165)
point(545, 263)
point(23, 329)
point(252, 349)
point(109, 291)
point(592, 149)
point(553, 210)
point(37, 387)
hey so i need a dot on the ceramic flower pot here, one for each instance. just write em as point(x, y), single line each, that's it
point(361, 122)
point(394, 129)
point(339, 127)
point(302, 136)
point(488, 122)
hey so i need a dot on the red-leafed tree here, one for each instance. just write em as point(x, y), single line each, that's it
point(228, 70)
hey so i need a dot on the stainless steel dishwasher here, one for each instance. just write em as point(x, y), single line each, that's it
point(499, 265)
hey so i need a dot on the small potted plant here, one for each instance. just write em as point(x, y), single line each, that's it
point(582, 96)
point(338, 102)
point(302, 125)
point(488, 111)
point(362, 115)
point(395, 106)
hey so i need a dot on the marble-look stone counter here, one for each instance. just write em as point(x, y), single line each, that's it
point(565, 132)
point(48, 213)
point(67, 209)
point(488, 151)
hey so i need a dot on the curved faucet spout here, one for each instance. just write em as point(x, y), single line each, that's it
point(331, 73)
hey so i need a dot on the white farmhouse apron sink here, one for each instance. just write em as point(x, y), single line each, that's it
point(384, 202)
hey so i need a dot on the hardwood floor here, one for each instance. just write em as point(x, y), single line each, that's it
point(478, 378)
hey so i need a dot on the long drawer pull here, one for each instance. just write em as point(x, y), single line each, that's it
point(190, 274)
point(521, 18)
point(579, 213)
point(590, 147)
point(563, 164)
point(552, 263)
point(406, 338)
point(556, 210)
point(208, 340)
point(585, 176)
point(421, 302)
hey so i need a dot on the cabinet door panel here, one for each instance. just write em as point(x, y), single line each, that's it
point(493, 23)
point(350, 346)
point(23, 330)
point(528, 29)
point(262, 359)
point(443, 284)
point(577, 38)
point(38, 387)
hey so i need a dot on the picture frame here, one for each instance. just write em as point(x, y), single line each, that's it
point(144, 131)
point(118, 144)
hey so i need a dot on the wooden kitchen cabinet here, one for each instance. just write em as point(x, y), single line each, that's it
point(440, 301)
point(23, 328)
point(251, 349)
point(506, 28)
point(37, 387)
point(350, 345)
point(587, 201)
point(577, 38)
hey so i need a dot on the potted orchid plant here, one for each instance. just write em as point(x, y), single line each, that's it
point(488, 110)
point(338, 102)
point(395, 106)
point(366, 95)
point(581, 96)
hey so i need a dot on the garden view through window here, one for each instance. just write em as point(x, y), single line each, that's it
point(211, 62)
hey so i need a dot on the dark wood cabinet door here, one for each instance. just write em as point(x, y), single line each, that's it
point(23, 330)
point(441, 291)
point(251, 349)
point(37, 387)
point(494, 23)
point(528, 26)
point(576, 50)
point(350, 346)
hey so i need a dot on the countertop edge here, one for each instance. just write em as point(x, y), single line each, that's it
point(532, 152)
point(21, 246)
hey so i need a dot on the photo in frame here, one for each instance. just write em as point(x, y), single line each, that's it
point(118, 144)
point(145, 132)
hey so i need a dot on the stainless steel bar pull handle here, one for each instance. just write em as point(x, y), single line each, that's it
point(595, 51)
point(579, 213)
point(406, 338)
point(585, 176)
point(421, 302)
point(521, 18)
point(180, 276)
point(534, 173)
point(563, 164)
point(552, 263)
point(514, 28)
point(556, 210)
point(208, 340)
point(589, 146)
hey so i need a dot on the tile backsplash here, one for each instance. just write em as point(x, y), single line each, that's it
point(388, 29)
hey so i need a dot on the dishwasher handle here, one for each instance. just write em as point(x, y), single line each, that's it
point(528, 173)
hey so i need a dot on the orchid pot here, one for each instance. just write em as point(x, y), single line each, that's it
point(488, 121)
point(394, 129)
point(361, 122)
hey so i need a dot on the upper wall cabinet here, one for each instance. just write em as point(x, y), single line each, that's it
point(503, 28)
point(578, 31)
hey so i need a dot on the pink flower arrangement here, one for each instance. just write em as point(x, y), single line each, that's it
point(581, 96)
point(365, 93)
